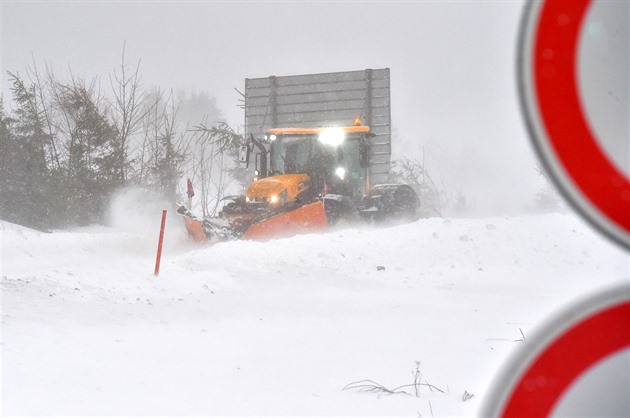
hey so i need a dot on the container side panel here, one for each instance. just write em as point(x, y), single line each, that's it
point(327, 99)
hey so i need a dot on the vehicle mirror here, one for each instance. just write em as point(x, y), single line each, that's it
point(243, 154)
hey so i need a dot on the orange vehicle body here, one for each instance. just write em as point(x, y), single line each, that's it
point(315, 131)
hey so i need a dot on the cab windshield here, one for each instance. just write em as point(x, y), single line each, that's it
point(291, 154)
point(336, 169)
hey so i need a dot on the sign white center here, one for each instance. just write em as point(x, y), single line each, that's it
point(603, 75)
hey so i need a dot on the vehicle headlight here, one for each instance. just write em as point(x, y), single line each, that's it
point(332, 136)
point(279, 199)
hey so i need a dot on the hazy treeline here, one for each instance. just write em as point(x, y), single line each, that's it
point(68, 144)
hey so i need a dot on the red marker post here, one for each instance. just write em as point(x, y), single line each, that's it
point(160, 241)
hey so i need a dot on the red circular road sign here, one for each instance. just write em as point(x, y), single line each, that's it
point(559, 126)
point(535, 381)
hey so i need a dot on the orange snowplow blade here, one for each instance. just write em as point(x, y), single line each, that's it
point(305, 219)
point(195, 229)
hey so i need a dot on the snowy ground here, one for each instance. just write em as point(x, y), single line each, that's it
point(280, 328)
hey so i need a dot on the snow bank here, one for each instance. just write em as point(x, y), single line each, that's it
point(280, 328)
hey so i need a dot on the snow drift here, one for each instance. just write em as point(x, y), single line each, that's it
point(280, 328)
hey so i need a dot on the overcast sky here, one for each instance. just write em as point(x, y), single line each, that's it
point(454, 96)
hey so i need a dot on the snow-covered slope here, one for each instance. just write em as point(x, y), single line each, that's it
point(280, 328)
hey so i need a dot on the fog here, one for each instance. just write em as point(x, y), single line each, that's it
point(453, 82)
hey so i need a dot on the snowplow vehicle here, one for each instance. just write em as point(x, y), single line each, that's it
point(306, 180)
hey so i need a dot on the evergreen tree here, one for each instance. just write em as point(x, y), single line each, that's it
point(23, 162)
point(8, 150)
point(91, 173)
